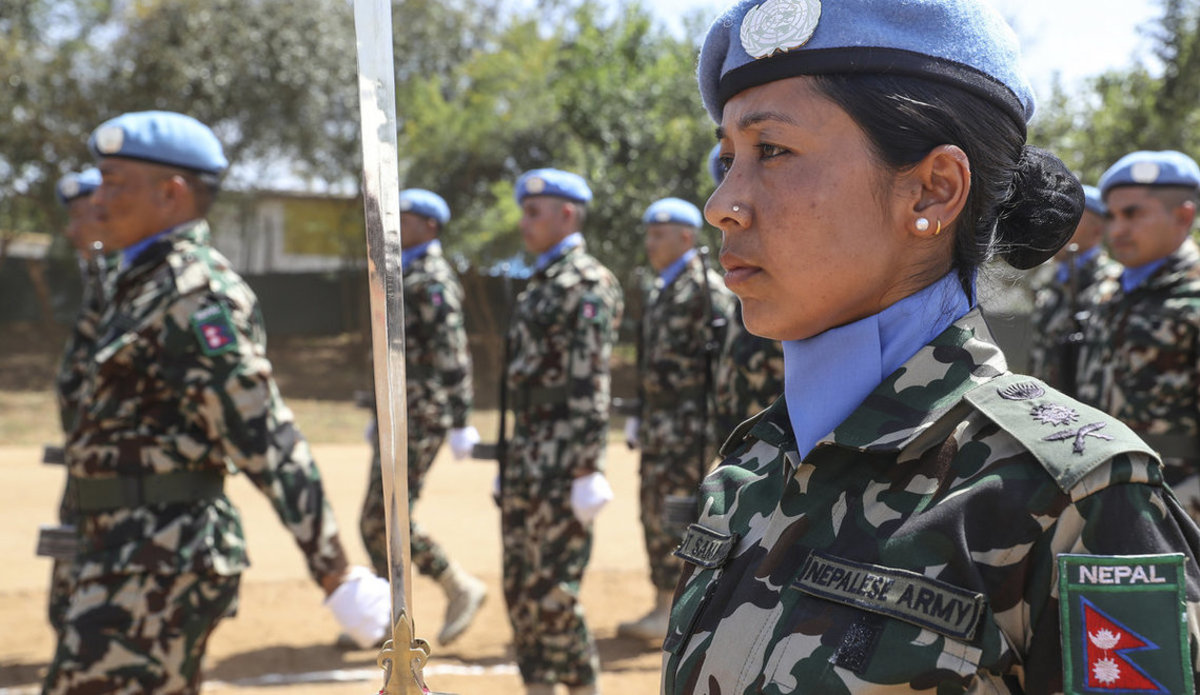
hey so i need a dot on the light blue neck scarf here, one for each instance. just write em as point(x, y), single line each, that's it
point(827, 376)
point(571, 241)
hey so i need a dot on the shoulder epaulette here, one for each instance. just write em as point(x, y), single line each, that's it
point(1070, 439)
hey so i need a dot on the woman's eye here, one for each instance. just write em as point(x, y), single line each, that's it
point(767, 150)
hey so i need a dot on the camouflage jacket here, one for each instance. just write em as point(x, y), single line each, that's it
point(180, 382)
point(437, 356)
point(675, 333)
point(77, 352)
point(1053, 319)
point(559, 344)
point(1141, 355)
point(749, 375)
point(915, 549)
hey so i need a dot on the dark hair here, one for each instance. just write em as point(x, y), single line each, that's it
point(1023, 204)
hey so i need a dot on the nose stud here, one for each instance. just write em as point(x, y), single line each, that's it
point(737, 208)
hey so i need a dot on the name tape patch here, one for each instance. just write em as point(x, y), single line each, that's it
point(909, 596)
point(1124, 624)
point(705, 547)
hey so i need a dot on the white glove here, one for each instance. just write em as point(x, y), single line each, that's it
point(631, 431)
point(463, 441)
point(371, 431)
point(362, 604)
point(496, 489)
point(589, 494)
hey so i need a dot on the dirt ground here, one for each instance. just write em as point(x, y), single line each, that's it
point(281, 641)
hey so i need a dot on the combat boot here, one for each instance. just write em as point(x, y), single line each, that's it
point(653, 625)
point(464, 596)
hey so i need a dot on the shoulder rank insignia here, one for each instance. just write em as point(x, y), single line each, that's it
point(214, 328)
point(1124, 624)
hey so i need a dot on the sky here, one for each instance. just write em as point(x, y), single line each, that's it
point(1074, 38)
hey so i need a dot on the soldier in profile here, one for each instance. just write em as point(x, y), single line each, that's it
point(1139, 361)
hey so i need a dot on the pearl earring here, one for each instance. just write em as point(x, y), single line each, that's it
point(922, 224)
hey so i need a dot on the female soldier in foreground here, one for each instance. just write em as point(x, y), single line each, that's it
point(910, 517)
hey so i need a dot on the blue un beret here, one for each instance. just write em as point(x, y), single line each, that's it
point(673, 211)
point(965, 43)
point(1147, 168)
point(554, 182)
point(425, 203)
point(74, 185)
point(715, 170)
point(1093, 201)
point(160, 137)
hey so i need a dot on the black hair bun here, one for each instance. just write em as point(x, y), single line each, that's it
point(1042, 212)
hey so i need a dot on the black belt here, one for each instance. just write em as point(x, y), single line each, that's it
point(130, 492)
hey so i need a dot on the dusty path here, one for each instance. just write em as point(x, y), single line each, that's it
point(283, 629)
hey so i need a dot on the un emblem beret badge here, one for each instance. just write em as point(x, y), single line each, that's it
point(777, 26)
point(109, 140)
point(535, 185)
point(662, 216)
point(406, 205)
point(69, 188)
point(1144, 172)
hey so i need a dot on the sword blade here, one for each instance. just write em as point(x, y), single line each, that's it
point(381, 201)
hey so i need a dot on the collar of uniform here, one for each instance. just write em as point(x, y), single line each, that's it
point(416, 253)
point(149, 256)
point(1180, 263)
point(924, 389)
point(668, 275)
point(550, 257)
point(556, 265)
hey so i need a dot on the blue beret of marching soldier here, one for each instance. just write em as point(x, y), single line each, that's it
point(553, 182)
point(715, 169)
point(672, 211)
point(162, 137)
point(77, 185)
point(425, 203)
point(1150, 168)
point(1093, 201)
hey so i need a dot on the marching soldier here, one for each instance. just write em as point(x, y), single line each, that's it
point(1057, 318)
point(910, 516)
point(552, 482)
point(1139, 357)
point(86, 237)
point(178, 394)
point(679, 342)
point(750, 371)
point(438, 368)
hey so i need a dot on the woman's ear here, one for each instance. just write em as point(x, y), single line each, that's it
point(938, 186)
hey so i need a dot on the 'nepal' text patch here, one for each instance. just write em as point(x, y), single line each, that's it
point(1124, 624)
point(214, 328)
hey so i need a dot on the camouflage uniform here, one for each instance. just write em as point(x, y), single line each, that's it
point(915, 549)
point(72, 370)
point(438, 364)
point(1052, 316)
point(676, 433)
point(1140, 360)
point(558, 345)
point(749, 375)
point(178, 394)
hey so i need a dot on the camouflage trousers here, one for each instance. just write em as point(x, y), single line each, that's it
point(663, 475)
point(428, 557)
point(545, 552)
point(60, 573)
point(138, 633)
